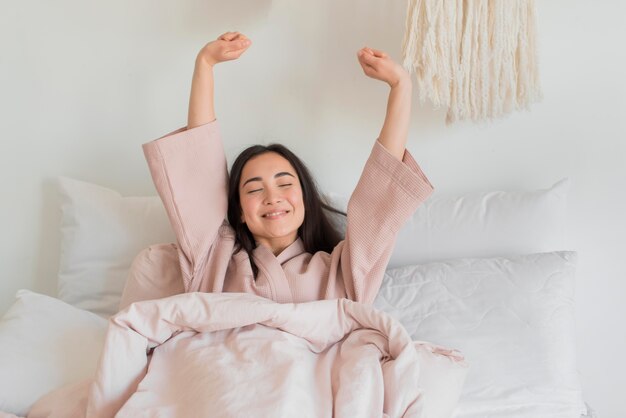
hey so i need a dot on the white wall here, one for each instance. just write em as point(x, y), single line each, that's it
point(82, 85)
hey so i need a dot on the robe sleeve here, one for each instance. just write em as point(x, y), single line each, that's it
point(189, 171)
point(387, 194)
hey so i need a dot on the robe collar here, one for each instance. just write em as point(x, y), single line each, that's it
point(271, 270)
point(292, 250)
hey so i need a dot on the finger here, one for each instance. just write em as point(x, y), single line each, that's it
point(378, 53)
point(229, 36)
point(369, 71)
point(237, 48)
point(366, 58)
point(241, 37)
point(366, 67)
point(233, 55)
point(239, 44)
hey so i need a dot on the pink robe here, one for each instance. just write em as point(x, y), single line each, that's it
point(189, 171)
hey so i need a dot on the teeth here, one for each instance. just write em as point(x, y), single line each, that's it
point(273, 213)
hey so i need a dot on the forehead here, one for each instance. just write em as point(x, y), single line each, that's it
point(265, 166)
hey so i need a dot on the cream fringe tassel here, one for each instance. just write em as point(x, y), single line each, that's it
point(475, 57)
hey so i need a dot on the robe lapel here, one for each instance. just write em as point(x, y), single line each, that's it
point(271, 270)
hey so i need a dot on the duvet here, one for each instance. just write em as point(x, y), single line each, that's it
point(240, 355)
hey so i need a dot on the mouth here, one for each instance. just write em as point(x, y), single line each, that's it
point(275, 215)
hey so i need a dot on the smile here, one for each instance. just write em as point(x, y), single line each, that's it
point(275, 215)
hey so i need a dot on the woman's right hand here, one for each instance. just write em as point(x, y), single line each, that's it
point(229, 46)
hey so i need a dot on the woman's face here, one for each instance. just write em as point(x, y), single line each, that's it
point(271, 200)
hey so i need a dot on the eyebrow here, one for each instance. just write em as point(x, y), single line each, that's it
point(277, 175)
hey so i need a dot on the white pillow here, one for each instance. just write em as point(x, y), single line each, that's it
point(45, 343)
point(101, 233)
point(485, 224)
point(512, 318)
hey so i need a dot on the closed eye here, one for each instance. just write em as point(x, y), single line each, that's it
point(284, 185)
point(254, 191)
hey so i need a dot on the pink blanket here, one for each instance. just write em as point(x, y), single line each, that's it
point(233, 355)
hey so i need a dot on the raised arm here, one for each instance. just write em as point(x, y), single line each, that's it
point(378, 65)
point(391, 187)
point(188, 166)
point(228, 46)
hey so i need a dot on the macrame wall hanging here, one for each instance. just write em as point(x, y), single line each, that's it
point(475, 57)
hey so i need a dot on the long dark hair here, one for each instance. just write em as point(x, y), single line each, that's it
point(318, 232)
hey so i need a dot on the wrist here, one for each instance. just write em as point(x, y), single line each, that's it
point(204, 63)
point(403, 82)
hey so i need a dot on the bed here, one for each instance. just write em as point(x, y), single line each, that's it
point(486, 273)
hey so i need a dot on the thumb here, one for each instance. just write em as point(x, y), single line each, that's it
point(236, 46)
point(366, 57)
point(244, 43)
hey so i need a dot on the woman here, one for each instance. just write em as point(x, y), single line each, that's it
point(270, 244)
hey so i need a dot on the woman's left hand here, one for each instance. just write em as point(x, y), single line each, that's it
point(378, 65)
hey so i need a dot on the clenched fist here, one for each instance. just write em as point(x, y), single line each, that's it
point(229, 46)
point(378, 65)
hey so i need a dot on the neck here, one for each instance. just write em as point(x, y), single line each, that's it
point(277, 245)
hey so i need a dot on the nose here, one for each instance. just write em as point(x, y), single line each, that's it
point(272, 197)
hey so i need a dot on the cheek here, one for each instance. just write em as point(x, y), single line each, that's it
point(295, 198)
point(247, 207)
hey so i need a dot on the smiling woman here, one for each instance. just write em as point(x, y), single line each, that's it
point(265, 229)
point(269, 199)
point(273, 200)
